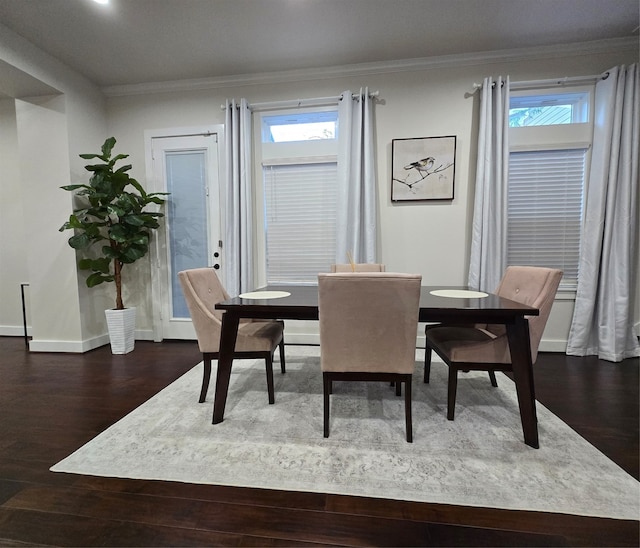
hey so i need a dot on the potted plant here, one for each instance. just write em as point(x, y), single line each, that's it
point(114, 229)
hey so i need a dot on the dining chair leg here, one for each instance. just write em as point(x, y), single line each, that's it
point(206, 376)
point(492, 377)
point(268, 361)
point(407, 409)
point(282, 365)
point(326, 387)
point(451, 392)
point(398, 388)
point(427, 363)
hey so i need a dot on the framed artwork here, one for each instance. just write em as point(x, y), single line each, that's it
point(423, 168)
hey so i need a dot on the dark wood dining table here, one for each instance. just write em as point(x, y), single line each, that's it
point(302, 304)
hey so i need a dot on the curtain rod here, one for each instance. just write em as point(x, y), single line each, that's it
point(567, 80)
point(296, 103)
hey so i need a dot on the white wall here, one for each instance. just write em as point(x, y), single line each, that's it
point(428, 238)
point(43, 139)
point(13, 263)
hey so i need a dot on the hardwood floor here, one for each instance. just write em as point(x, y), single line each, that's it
point(50, 404)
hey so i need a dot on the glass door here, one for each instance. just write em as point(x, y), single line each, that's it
point(187, 167)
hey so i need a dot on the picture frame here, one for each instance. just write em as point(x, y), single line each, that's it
point(423, 168)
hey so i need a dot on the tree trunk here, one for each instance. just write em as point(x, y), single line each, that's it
point(117, 277)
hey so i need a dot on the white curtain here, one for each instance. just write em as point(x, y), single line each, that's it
point(603, 317)
point(356, 224)
point(238, 210)
point(489, 232)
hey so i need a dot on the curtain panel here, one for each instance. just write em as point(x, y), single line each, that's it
point(356, 223)
point(238, 207)
point(602, 322)
point(488, 259)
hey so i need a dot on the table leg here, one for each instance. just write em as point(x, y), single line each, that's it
point(228, 336)
point(520, 349)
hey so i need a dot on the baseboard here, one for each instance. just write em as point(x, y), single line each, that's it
point(76, 347)
point(558, 345)
point(40, 345)
point(79, 347)
point(13, 331)
point(301, 338)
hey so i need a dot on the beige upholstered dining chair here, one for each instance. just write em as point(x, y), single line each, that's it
point(486, 347)
point(256, 338)
point(358, 267)
point(368, 327)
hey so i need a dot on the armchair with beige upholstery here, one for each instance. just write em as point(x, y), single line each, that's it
point(368, 328)
point(486, 347)
point(358, 267)
point(256, 338)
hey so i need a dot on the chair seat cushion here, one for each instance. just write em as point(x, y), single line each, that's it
point(468, 344)
point(258, 336)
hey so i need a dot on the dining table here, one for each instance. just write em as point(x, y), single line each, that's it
point(447, 305)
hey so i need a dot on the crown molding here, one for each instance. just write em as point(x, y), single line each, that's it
point(384, 67)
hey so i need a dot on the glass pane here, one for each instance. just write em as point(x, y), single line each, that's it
point(547, 110)
point(301, 126)
point(186, 219)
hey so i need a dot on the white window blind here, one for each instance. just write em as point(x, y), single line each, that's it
point(545, 210)
point(300, 221)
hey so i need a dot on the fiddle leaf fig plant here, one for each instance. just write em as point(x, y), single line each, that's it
point(114, 223)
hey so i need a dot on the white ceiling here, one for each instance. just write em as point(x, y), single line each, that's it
point(142, 41)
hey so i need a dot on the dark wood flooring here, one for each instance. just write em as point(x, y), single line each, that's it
point(50, 404)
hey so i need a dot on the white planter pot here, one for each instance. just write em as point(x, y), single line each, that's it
point(122, 326)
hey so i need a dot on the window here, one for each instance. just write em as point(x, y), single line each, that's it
point(299, 192)
point(545, 209)
point(300, 221)
point(550, 139)
point(301, 126)
point(548, 109)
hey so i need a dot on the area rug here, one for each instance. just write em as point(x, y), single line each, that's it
point(477, 460)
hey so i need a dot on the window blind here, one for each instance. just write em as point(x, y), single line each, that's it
point(545, 201)
point(300, 221)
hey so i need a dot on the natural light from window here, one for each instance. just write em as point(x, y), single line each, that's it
point(550, 109)
point(308, 126)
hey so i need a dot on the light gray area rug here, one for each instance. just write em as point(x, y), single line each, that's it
point(477, 460)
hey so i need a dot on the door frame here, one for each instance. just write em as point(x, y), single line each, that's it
point(158, 247)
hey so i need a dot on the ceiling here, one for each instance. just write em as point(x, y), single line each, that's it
point(143, 41)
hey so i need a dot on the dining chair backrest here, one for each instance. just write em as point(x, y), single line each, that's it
point(358, 267)
point(534, 286)
point(368, 321)
point(202, 290)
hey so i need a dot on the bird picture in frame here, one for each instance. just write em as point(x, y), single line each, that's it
point(423, 168)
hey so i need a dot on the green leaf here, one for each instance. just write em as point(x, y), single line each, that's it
point(103, 264)
point(133, 220)
point(107, 147)
point(79, 241)
point(122, 169)
point(139, 188)
point(118, 233)
point(115, 210)
point(134, 253)
point(73, 222)
point(141, 239)
point(97, 278)
point(108, 252)
point(97, 167)
point(73, 187)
